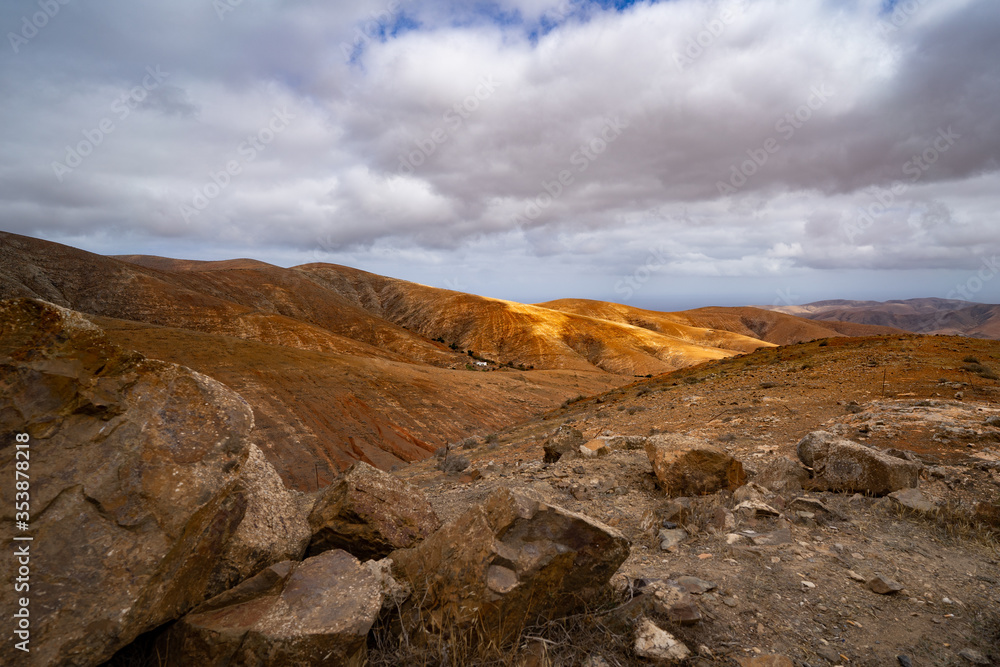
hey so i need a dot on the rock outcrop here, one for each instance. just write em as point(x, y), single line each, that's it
point(564, 442)
point(841, 465)
point(369, 513)
point(135, 479)
point(687, 466)
point(317, 612)
point(274, 528)
point(506, 562)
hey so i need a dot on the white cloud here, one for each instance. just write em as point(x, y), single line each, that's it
point(493, 114)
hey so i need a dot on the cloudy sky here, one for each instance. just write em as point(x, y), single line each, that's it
point(663, 154)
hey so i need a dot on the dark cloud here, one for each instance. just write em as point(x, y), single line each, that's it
point(750, 142)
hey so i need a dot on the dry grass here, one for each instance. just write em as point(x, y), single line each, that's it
point(563, 641)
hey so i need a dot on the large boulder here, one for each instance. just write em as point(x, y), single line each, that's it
point(841, 465)
point(369, 513)
point(317, 612)
point(275, 526)
point(507, 562)
point(134, 472)
point(687, 466)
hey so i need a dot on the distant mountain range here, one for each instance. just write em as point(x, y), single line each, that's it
point(926, 316)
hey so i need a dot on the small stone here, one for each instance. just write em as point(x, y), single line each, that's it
point(883, 585)
point(669, 525)
point(783, 535)
point(684, 612)
point(595, 661)
point(670, 539)
point(807, 585)
point(470, 476)
point(856, 577)
point(817, 507)
point(658, 644)
point(723, 519)
point(753, 508)
point(729, 602)
point(914, 500)
point(594, 448)
point(829, 654)
point(695, 585)
point(974, 656)
point(733, 538)
point(501, 580)
point(904, 661)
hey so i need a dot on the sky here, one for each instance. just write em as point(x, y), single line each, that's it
point(665, 155)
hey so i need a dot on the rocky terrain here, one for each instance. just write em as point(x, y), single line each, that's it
point(823, 567)
point(233, 463)
point(825, 503)
point(929, 316)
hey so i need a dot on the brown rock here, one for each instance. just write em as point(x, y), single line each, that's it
point(689, 466)
point(369, 513)
point(594, 448)
point(723, 520)
point(782, 475)
point(695, 585)
point(815, 506)
point(135, 494)
point(842, 465)
point(913, 499)
point(653, 642)
point(317, 612)
point(883, 585)
point(672, 600)
point(565, 441)
point(275, 526)
point(506, 562)
point(470, 476)
point(754, 493)
point(677, 510)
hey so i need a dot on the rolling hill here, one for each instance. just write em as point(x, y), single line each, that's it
point(721, 324)
point(339, 364)
point(928, 316)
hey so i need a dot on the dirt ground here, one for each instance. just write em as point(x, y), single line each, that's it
point(801, 590)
